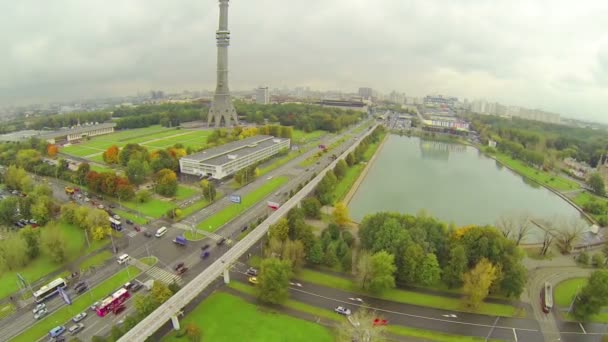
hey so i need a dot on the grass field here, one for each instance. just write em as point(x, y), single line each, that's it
point(564, 294)
point(219, 219)
point(95, 260)
point(403, 296)
point(154, 137)
point(545, 178)
point(41, 266)
point(82, 303)
point(219, 314)
point(301, 137)
point(427, 335)
point(197, 206)
point(185, 192)
point(585, 197)
point(153, 207)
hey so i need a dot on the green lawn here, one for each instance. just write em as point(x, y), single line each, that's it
point(566, 290)
point(220, 314)
point(584, 197)
point(41, 266)
point(428, 335)
point(102, 169)
point(301, 137)
point(212, 223)
point(82, 303)
point(6, 310)
point(403, 296)
point(184, 192)
point(280, 162)
point(154, 207)
point(197, 206)
point(545, 178)
point(133, 217)
point(95, 260)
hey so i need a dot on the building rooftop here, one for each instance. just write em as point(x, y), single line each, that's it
point(237, 149)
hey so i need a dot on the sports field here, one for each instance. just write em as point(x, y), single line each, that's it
point(154, 137)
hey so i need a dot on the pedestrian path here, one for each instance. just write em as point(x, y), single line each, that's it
point(158, 273)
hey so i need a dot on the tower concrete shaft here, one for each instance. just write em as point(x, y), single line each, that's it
point(222, 107)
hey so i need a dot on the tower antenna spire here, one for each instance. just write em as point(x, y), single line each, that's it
point(222, 108)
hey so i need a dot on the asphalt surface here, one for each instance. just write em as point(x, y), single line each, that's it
point(163, 248)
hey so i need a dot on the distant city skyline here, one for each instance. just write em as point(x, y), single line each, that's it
point(516, 52)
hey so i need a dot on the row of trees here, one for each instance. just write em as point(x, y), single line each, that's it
point(324, 191)
point(301, 116)
point(68, 120)
point(18, 249)
point(94, 221)
point(167, 114)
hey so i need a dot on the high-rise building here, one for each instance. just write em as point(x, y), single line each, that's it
point(222, 108)
point(366, 93)
point(262, 96)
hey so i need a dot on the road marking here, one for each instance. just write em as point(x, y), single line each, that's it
point(515, 334)
point(582, 328)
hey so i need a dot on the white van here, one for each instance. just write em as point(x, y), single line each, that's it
point(161, 231)
point(123, 258)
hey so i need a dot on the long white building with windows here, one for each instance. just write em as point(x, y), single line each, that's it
point(225, 160)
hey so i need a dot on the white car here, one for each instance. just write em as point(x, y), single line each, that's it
point(79, 317)
point(123, 258)
point(342, 310)
point(39, 307)
point(40, 313)
point(116, 217)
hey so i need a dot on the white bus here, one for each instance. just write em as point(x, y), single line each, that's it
point(49, 289)
point(115, 224)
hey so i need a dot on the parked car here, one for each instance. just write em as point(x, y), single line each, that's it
point(41, 313)
point(74, 329)
point(342, 310)
point(39, 307)
point(116, 217)
point(129, 221)
point(251, 271)
point(253, 280)
point(148, 234)
point(137, 229)
point(79, 317)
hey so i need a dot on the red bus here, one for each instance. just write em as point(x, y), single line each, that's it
point(113, 302)
point(546, 298)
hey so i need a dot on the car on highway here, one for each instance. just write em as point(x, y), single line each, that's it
point(79, 317)
point(161, 231)
point(74, 329)
point(205, 247)
point(147, 234)
point(81, 289)
point(181, 270)
point(205, 255)
point(251, 272)
point(41, 313)
point(342, 310)
point(80, 284)
point(378, 321)
point(123, 258)
point(119, 309)
point(253, 280)
point(39, 307)
point(221, 241)
point(178, 266)
point(56, 331)
point(136, 286)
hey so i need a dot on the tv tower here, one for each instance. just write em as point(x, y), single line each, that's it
point(222, 107)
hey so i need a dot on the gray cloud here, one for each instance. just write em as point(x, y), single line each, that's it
point(547, 54)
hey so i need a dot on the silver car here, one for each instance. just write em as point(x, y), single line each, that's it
point(79, 317)
point(41, 313)
point(74, 329)
point(39, 307)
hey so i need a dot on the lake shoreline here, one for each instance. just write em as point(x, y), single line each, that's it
point(353, 190)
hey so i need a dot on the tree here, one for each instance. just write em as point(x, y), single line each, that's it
point(598, 260)
point(51, 150)
point(40, 210)
point(364, 270)
point(593, 296)
point(193, 332)
point(160, 292)
point(110, 155)
point(273, 286)
point(165, 182)
point(330, 258)
point(569, 232)
point(456, 266)
point(340, 214)
point(514, 226)
point(82, 171)
point(583, 258)
point(116, 333)
point(130, 322)
point(13, 177)
point(340, 169)
point(597, 184)
point(477, 282)
point(430, 273)
point(8, 210)
point(311, 207)
point(350, 159)
point(13, 252)
point(31, 237)
point(279, 230)
point(54, 243)
point(143, 196)
point(315, 255)
point(383, 272)
point(364, 328)
point(411, 264)
point(293, 251)
point(208, 189)
point(136, 171)
point(145, 304)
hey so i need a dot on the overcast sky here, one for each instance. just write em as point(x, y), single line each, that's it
point(542, 54)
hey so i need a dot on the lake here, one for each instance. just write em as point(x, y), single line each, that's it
point(453, 182)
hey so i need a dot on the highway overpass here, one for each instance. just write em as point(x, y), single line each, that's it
point(174, 305)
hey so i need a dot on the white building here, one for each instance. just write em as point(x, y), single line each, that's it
point(225, 160)
point(262, 96)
